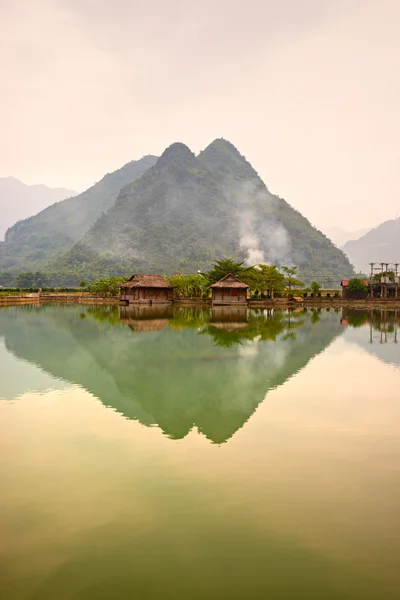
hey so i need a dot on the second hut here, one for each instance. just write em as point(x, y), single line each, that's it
point(229, 291)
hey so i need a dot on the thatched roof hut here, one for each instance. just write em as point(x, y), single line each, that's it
point(146, 289)
point(229, 290)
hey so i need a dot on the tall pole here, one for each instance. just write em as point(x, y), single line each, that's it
point(371, 281)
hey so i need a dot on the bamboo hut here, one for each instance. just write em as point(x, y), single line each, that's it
point(146, 289)
point(229, 291)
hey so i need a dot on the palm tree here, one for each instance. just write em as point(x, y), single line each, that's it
point(227, 266)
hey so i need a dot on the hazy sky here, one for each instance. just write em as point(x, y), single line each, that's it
point(307, 90)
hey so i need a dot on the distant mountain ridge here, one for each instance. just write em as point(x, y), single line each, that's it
point(186, 211)
point(381, 244)
point(19, 200)
point(341, 236)
point(35, 241)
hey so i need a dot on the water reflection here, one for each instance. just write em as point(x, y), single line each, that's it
point(174, 368)
point(376, 331)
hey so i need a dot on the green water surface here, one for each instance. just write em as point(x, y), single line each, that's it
point(180, 453)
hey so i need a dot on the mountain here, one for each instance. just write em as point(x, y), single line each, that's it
point(31, 243)
point(340, 236)
point(187, 211)
point(19, 201)
point(381, 244)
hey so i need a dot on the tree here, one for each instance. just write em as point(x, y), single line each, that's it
point(6, 279)
point(189, 286)
point(267, 278)
point(315, 287)
point(357, 285)
point(291, 279)
point(223, 267)
point(31, 280)
point(106, 286)
point(82, 284)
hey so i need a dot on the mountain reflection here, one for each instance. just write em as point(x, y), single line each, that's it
point(176, 368)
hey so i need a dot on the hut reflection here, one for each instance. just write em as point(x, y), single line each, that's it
point(146, 318)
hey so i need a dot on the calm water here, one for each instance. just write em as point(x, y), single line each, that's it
point(199, 454)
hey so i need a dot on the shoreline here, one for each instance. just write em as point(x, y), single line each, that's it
point(76, 298)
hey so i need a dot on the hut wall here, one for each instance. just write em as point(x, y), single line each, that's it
point(141, 295)
point(229, 296)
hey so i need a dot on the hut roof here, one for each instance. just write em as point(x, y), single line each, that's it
point(229, 281)
point(146, 281)
point(147, 324)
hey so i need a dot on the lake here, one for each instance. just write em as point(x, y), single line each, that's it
point(199, 454)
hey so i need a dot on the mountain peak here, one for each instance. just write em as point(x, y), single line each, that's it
point(221, 144)
point(222, 156)
point(177, 153)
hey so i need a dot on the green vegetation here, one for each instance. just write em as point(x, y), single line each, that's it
point(357, 285)
point(315, 287)
point(189, 286)
point(227, 266)
point(31, 280)
point(291, 279)
point(106, 286)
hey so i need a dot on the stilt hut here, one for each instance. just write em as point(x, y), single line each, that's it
point(146, 289)
point(229, 291)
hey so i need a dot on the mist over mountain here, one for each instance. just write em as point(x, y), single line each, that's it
point(187, 211)
point(381, 244)
point(19, 201)
point(33, 242)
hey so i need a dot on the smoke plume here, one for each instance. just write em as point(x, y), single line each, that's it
point(262, 237)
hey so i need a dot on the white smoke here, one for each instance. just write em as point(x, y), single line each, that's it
point(248, 240)
point(266, 240)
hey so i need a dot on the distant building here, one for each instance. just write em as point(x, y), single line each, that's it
point(146, 289)
point(229, 291)
point(379, 286)
point(346, 292)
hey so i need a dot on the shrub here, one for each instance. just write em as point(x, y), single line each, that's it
point(357, 285)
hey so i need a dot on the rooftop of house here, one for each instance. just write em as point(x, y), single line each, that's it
point(230, 281)
point(146, 281)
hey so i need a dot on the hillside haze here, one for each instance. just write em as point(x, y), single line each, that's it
point(187, 211)
point(32, 243)
point(19, 201)
point(381, 244)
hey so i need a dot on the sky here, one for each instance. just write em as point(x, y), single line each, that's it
point(308, 91)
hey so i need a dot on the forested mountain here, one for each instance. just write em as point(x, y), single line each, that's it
point(186, 211)
point(381, 244)
point(19, 201)
point(32, 243)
